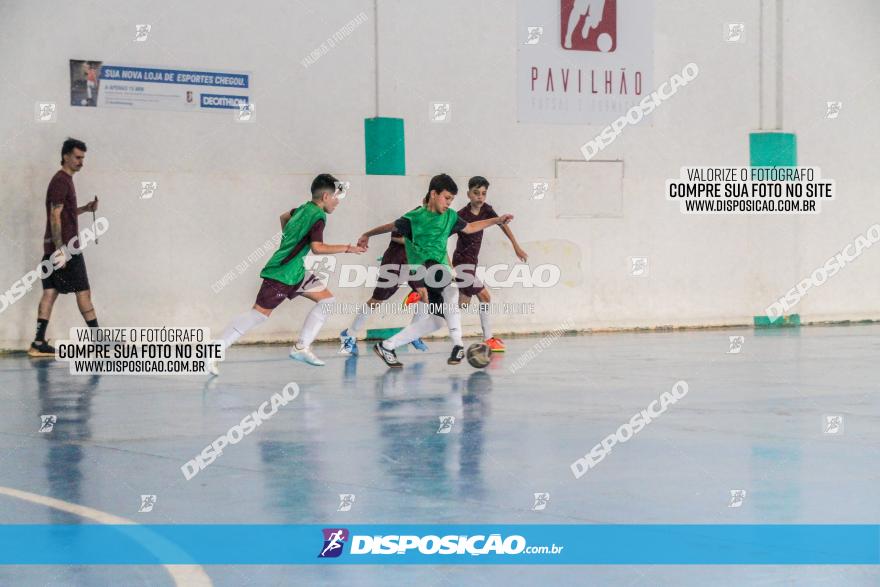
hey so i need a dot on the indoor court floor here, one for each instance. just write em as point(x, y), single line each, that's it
point(752, 421)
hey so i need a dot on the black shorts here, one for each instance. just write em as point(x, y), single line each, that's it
point(435, 293)
point(476, 285)
point(71, 279)
point(382, 293)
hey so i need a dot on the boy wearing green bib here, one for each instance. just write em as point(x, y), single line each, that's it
point(285, 276)
point(426, 231)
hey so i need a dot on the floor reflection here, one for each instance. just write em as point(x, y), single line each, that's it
point(69, 399)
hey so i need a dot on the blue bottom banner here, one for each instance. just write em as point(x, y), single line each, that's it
point(441, 544)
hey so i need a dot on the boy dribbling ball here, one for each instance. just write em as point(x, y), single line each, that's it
point(426, 231)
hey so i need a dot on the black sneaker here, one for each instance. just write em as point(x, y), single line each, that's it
point(456, 356)
point(41, 348)
point(389, 356)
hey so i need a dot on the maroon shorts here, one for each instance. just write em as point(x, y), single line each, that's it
point(272, 292)
point(476, 285)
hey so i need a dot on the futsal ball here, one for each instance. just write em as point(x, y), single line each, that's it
point(478, 355)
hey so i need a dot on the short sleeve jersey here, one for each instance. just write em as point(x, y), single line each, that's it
point(61, 191)
point(468, 247)
point(426, 233)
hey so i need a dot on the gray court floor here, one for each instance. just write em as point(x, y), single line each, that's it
point(753, 420)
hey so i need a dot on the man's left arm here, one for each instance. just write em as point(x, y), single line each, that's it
point(90, 207)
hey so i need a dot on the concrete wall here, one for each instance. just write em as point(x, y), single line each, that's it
point(223, 184)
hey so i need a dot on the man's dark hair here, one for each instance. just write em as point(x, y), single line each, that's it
point(322, 183)
point(478, 181)
point(441, 183)
point(69, 145)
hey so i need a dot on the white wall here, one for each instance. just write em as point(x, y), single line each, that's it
point(223, 184)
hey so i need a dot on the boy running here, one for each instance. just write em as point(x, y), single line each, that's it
point(285, 276)
point(426, 231)
point(392, 259)
point(464, 259)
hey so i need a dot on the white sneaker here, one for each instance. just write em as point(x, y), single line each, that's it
point(305, 355)
point(212, 368)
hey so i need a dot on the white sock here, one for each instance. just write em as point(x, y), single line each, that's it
point(314, 321)
point(452, 313)
point(241, 324)
point(485, 321)
point(360, 320)
point(417, 329)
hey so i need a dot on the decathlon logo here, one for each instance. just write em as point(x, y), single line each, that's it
point(334, 540)
point(589, 25)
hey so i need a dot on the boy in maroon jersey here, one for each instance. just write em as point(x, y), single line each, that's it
point(464, 259)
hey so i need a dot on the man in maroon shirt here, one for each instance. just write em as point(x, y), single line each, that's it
point(467, 251)
point(62, 225)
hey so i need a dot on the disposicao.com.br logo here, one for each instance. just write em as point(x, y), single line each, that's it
point(334, 540)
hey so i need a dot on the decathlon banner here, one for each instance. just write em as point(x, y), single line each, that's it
point(98, 84)
point(383, 544)
point(583, 61)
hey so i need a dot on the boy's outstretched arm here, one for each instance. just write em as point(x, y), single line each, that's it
point(324, 249)
point(381, 229)
point(319, 247)
point(521, 254)
point(479, 225)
